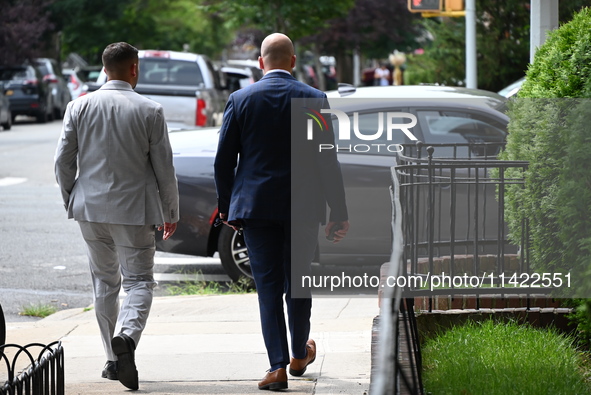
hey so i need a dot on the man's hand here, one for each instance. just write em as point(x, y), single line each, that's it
point(343, 228)
point(169, 230)
point(224, 217)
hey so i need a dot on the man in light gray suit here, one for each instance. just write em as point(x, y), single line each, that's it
point(114, 166)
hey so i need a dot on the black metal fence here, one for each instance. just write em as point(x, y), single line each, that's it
point(2, 328)
point(456, 239)
point(398, 363)
point(43, 375)
point(450, 238)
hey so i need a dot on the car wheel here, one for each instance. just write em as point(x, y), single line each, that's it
point(42, 117)
point(234, 256)
point(8, 124)
point(58, 113)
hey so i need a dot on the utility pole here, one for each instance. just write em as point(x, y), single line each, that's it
point(471, 71)
point(543, 18)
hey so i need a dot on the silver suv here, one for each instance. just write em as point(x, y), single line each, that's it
point(60, 94)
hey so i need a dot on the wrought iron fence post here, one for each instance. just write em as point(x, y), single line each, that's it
point(2, 330)
point(44, 375)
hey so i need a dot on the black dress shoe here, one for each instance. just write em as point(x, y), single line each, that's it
point(110, 370)
point(124, 347)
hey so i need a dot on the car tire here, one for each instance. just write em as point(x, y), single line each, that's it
point(58, 113)
point(234, 256)
point(8, 124)
point(42, 117)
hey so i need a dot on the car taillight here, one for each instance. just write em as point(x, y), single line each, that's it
point(51, 78)
point(213, 217)
point(201, 116)
point(157, 54)
point(74, 81)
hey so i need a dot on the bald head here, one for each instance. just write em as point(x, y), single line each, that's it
point(277, 53)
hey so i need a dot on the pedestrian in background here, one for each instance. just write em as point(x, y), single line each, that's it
point(114, 167)
point(382, 75)
point(255, 196)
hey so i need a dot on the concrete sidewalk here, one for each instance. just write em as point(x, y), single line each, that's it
point(212, 345)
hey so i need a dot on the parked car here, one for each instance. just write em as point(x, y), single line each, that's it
point(186, 84)
point(52, 73)
point(28, 93)
point(236, 77)
point(252, 65)
point(74, 81)
point(443, 114)
point(90, 73)
point(5, 114)
point(512, 89)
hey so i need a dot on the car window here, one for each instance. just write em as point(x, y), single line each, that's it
point(160, 71)
point(13, 74)
point(43, 68)
point(457, 127)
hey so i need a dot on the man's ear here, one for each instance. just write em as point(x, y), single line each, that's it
point(293, 60)
point(261, 63)
point(134, 70)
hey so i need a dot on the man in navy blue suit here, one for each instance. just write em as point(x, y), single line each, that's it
point(278, 199)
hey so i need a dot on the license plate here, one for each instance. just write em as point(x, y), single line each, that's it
point(9, 92)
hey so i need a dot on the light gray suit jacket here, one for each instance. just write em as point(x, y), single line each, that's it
point(113, 162)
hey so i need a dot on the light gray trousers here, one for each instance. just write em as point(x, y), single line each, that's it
point(115, 252)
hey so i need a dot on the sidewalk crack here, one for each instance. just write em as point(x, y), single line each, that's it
point(344, 307)
point(70, 331)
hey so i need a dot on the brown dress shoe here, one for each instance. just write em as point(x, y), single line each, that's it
point(274, 381)
point(297, 367)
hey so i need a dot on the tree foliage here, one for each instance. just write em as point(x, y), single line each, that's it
point(502, 45)
point(297, 19)
point(502, 41)
point(374, 27)
point(24, 24)
point(88, 26)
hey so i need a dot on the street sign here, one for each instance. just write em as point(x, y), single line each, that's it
point(425, 5)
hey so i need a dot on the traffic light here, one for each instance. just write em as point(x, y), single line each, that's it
point(454, 5)
point(425, 5)
point(436, 6)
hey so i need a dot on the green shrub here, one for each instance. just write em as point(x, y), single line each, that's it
point(548, 128)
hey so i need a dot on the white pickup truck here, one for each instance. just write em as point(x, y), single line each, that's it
point(186, 84)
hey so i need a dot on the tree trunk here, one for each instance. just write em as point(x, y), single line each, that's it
point(344, 67)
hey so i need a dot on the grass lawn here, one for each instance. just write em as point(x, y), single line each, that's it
point(491, 358)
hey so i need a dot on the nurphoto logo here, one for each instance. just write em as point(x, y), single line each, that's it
point(344, 133)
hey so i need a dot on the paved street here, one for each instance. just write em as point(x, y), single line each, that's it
point(42, 255)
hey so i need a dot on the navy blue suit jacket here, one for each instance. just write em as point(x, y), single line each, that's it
point(253, 163)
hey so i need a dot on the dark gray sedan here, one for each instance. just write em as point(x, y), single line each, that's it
point(376, 118)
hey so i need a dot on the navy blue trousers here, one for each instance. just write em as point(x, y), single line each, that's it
point(269, 244)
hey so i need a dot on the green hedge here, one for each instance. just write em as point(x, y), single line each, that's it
point(550, 128)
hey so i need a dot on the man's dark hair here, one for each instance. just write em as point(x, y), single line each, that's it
point(117, 56)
